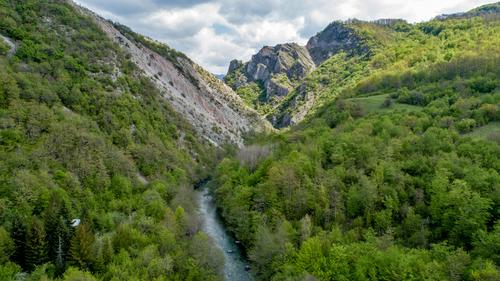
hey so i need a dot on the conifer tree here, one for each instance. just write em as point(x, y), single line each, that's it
point(81, 247)
point(107, 250)
point(18, 235)
point(36, 244)
point(58, 232)
point(6, 245)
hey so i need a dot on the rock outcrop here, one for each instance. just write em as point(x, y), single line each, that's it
point(289, 59)
point(12, 45)
point(214, 110)
point(281, 70)
point(334, 38)
point(276, 68)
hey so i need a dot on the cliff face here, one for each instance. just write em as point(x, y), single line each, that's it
point(275, 68)
point(214, 110)
point(334, 38)
point(280, 70)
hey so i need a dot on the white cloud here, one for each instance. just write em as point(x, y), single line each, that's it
point(183, 22)
point(214, 32)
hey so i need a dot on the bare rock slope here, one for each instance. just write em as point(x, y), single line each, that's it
point(11, 45)
point(214, 110)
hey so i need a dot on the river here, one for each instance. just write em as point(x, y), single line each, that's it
point(234, 261)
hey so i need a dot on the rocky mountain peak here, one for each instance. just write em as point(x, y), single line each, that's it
point(275, 71)
point(290, 59)
point(336, 37)
point(274, 67)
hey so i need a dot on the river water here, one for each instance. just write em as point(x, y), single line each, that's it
point(234, 261)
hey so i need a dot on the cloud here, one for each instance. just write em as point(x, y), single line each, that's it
point(183, 23)
point(212, 32)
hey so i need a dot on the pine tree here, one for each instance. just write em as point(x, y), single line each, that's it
point(6, 245)
point(81, 247)
point(58, 232)
point(107, 250)
point(18, 235)
point(36, 244)
point(104, 256)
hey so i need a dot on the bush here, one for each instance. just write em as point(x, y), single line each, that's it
point(6, 246)
point(465, 125)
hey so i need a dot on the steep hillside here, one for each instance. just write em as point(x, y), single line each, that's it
point(394, 175)
point(97, 160)
point(214, 110)
point(335, 38)
point(348, 51)
point(271, 74)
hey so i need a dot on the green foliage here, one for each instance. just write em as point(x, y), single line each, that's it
point(81, 140)
point(6, 246)
point(403, 55)
point(80, 250)
point(254, 95)
point(384, 182)
point(73, 274)
point(36, 245)
point(9, 271)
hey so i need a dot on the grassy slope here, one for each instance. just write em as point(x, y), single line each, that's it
point(373, 104)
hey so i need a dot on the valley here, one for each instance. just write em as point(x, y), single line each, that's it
point(370, 153)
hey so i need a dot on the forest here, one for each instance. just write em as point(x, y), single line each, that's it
point(83, 135)
point(395, 174)
point(395, 179)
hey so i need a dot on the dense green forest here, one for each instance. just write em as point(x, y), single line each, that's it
point(395, 174)
point(83, 135)
point(395, 179)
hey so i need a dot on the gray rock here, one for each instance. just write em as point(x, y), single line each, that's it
point(273, 88)
point(233, 65)
point(335, 38)
point(290, 59)
point(259, 72)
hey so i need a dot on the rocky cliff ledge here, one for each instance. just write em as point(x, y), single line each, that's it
point(275, 68)
point(335, 38)
point(276, 72)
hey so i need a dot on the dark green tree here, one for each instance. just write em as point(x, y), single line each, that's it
point(81, 247)
point(58, 232)
point(18, 235)
point(36, 244)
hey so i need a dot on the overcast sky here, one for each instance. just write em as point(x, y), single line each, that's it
point(212, 32)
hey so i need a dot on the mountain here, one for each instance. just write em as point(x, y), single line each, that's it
point(389, 170)
point(338, 49)
point(220, 76)
point(335, 38)
point(485, 10)
point(266, 81)
point(103, 133)
point(274, 69)
point(390, 167)
point(214, 110)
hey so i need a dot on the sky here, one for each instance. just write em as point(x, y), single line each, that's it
point(213, 32)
